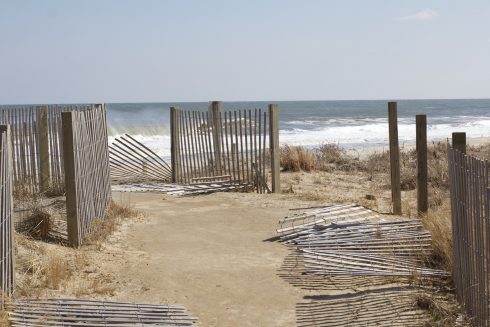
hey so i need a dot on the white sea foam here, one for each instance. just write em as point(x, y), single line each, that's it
point(349, 136)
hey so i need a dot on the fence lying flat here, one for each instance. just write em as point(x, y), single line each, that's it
point(470, 200)
point(87, 173)
point(221, 146)
point(36, 143)
point(350, 240)
point(6, 216)
point(75, 312)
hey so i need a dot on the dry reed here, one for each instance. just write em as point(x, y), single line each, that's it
point(106, 226)
point(297, 158)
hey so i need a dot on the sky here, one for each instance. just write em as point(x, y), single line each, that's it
point(62, 51)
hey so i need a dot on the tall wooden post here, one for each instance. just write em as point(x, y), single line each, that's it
point(422, 188)
point(69, 159)
point(7, 206)
point(43, 128)
point(174, 145)
point(396, 195)
point(274, 147)
point(459, 142)
point(216, 109)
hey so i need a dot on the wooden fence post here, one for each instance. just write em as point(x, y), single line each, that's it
point(43, 129)
point(275, 151)
point(216, 109)
point(7, 206)
point(174, 144)
point(422, 191)
point(234, 159)
point(459, 142)
point(67, 119)
point(394, 159)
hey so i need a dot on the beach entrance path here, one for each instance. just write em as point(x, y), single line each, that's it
point(208, 254)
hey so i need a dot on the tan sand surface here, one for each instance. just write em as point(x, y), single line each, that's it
point(208, 254)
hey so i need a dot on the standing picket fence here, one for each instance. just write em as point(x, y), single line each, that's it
point(6, 216)
point(223, 146)
point(36, 144)
point(470, 214)
point(87, 173)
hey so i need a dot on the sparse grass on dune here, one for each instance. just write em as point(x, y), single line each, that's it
point(48, 269)
point(104, 227)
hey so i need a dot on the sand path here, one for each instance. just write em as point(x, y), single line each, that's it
point(208, 254)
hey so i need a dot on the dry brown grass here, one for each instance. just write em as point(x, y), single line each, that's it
point(96, 285)
point(297, 158)
point(40, 267)
point(38, 223)
point(22, 192)
point(438, 223)
point(106, 226)
point(54, 189)
point(444, 311)
point(4, 318)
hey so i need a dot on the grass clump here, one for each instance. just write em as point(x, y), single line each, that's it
point(40, 267)
point(297, 158)
point(54, 189)
point(38, 223)
point(106, 226)
point(443, 310)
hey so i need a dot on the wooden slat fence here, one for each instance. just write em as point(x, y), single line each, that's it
point(211, 146)
point(76, 312)
point(32, 128)
point(87, 173)
point(130, 160)
point(470, 199)
point(6, 216)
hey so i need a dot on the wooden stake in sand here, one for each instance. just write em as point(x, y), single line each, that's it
point(422, 192)
point(42, 121)
point(396, 195)
point(274, 147)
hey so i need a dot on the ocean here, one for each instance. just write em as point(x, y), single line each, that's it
point(351, 124)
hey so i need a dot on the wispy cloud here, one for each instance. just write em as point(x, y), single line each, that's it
point(426, 14)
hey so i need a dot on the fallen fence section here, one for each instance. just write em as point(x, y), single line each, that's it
point(87, 173)
point(130, 160)
point(6, 216)
point(470, 213)
point(231, 146)
point(384, 307)
point(346, 240)
point(73, 312)
point(182, 190)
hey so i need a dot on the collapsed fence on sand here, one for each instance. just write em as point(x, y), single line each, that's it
point(470, 214)
point(228, 146)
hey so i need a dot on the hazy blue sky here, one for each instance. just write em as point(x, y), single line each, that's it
point(141, 50)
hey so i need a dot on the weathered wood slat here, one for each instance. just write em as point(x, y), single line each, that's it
point(73, 312)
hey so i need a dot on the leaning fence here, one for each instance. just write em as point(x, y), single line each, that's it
point(470, 213)
point(226, 146)
point(6, 216)
point(36, 144)
point(87, 173)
